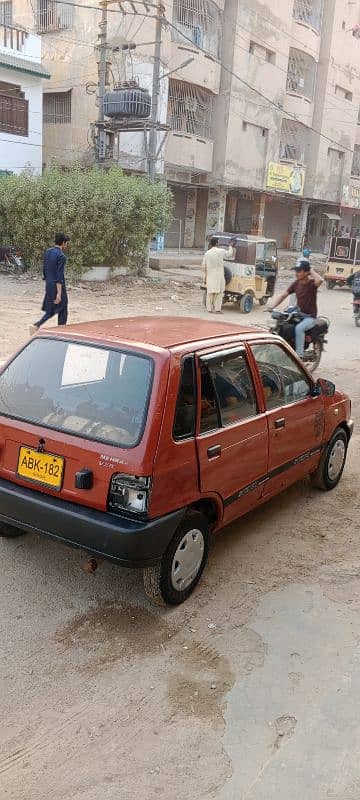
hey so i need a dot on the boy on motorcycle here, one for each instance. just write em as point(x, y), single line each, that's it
point(305, 288)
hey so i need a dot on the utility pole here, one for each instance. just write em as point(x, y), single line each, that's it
point(101, 139)
point(153, 145)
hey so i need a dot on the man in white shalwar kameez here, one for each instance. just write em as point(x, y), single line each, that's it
point(214, 278)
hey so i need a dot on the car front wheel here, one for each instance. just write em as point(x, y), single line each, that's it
point(332, 463)
point(180, 569)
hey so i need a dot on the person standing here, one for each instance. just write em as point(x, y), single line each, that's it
point(214, 278)
point(55, 300)
point(305, 288)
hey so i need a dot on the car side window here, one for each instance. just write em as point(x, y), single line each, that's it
point(232, 389)
point(185, 413)
point(283, 379)
point(209, 412)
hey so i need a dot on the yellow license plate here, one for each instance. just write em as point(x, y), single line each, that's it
point(43, 468)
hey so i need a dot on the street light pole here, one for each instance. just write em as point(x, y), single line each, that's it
point(152, 150)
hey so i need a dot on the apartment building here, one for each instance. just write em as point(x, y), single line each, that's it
point(259, 105)
point(21, 79)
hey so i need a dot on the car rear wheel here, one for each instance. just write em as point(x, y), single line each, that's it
point(329, 284)
point(263, 300)
point(246, 303)
point(332, 463)
point(357, 320)
point(8, 532)
point(180, 569)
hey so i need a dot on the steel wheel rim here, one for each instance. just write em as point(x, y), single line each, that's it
point(336, 459)
point(187, 559)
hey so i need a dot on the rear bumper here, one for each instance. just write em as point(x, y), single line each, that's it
point(131, 543)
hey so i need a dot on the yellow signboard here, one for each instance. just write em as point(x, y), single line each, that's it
point(286, 178)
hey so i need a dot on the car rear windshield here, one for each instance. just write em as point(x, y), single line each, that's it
point(94, 392)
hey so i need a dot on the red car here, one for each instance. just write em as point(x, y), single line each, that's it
point(137, 439)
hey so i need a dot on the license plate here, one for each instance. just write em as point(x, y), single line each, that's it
point(43, 468)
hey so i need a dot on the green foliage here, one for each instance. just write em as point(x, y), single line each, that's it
point(109, 216)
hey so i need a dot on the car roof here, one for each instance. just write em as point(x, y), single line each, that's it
point(160, 332)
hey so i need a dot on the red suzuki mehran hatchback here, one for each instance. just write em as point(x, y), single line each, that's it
point(136, 439)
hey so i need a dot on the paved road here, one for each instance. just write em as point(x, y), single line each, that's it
point(247, 692)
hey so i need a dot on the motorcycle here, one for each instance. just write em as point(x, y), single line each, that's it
point(285, 322)
point(11, 258)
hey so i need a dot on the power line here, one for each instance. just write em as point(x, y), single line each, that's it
point(271, 102)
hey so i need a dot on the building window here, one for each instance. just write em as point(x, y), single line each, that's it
point(262, 52)
point(6, 13)
point(198, 22)
point(301, 74)
point(14, 110)
point(308, 12)
point(294, 141)
point(344, 94)
point(355, 167)
point(190, 109)
point(53, 16)
point(57, 108)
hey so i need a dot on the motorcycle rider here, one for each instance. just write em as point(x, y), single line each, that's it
point(305, 288)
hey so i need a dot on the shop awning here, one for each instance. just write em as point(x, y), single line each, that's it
point(331, 216)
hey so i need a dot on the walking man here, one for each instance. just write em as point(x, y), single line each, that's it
point(55, 300)
point(305, 288)
point(214, 278)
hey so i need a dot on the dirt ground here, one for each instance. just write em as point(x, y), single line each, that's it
point(248, 691)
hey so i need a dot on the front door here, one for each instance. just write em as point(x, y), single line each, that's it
point(232, 437)
point(295, 417)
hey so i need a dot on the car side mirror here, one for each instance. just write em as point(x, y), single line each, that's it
point(324, 387)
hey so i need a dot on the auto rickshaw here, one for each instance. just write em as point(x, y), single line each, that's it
point(251, 274)
point(343, 260)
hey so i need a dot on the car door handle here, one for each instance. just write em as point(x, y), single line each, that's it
point(214, 451)
point(280, 423)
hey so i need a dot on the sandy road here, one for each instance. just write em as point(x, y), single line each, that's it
point(244, 693)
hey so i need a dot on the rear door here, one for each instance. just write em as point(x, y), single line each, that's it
point(295, 418)
point(232, 436)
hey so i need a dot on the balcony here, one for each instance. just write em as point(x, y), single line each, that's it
point(308, 13)
point(301, 74)
point(13, 38)
point(189, 153)
point(198, 23)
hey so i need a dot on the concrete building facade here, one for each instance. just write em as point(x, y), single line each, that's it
point(21, 79)
point(261, 102)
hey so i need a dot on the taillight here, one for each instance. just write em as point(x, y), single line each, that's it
point(129, 493)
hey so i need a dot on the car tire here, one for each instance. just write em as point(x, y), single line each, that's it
point(263, 300)
point(172, 581)
point(332, 462)
point(329, 284)
point(357, 320)
point(9, 532)
point(246, 303)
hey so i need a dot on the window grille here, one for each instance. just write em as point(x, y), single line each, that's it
point(308, 12)
point(6, 15)
point(57, 108)
point(201, 22)
point(355, 168)
point(53, 16)
point(294, 141)
point(190, 109)
point(14, 110)
point(262, 52)
point(301, 74)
